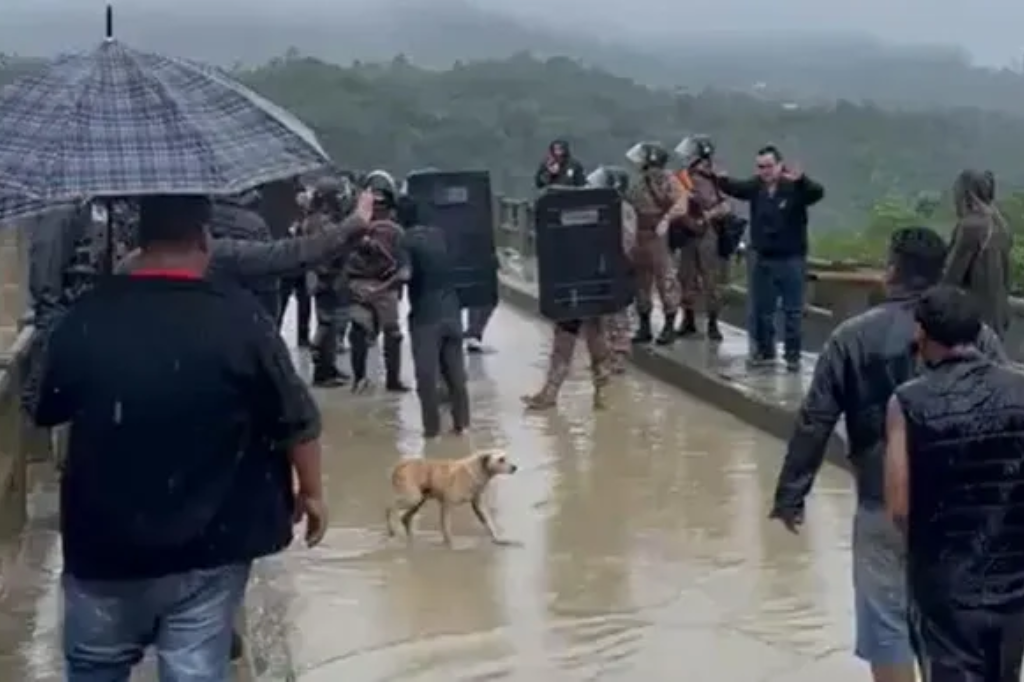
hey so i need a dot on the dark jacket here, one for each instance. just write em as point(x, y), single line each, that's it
point(862, 363)
point(232, 221)
point(180, 429)
point(979, 256)
point(570, 174)
point(431, 285)
point(778, 221)
point(965, 530)
point(239, 260)
point(54, 238)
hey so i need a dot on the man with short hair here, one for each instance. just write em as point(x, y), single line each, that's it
point(862, 363)
point(186, 437)
point(779, 196)
point(955, 483)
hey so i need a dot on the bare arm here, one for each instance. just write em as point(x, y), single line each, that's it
point(897, 486)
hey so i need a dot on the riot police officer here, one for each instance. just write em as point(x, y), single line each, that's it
point(330, 294)
point(375, 271)
point(701, 232)
point(658, 198)
point(617, 326)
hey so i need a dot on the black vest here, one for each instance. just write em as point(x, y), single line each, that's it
point(965, 444)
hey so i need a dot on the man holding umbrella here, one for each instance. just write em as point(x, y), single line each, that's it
point(147, 559)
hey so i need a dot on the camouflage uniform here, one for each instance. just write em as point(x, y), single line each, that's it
point(699, 263)
point(374, 261)
point(331, 302)
point(655, 198)
point(563, 346)
point(617, 326)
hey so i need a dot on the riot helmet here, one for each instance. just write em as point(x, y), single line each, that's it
point(645, 155)
point(611, 177)
point(327, 196)
point(695, 148)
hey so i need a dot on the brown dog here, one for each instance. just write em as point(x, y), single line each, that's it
point(451, 482)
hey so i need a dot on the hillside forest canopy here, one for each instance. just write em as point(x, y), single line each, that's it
point(883, 169)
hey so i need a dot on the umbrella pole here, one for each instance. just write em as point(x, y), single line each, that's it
point(108, 250)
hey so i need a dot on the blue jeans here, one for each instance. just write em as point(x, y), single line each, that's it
point(188, 617)
point(880, 590)
point(769, 281)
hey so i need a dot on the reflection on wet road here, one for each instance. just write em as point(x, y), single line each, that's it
point(645, 550)
point(644, 554)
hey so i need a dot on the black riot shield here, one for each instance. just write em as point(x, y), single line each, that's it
point(460, 203)
point(582, 270)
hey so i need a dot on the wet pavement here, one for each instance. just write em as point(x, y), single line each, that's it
point(644, 549)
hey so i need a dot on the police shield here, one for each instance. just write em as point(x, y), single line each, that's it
point(460, 203)
point(582, 269)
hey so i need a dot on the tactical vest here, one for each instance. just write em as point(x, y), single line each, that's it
point(651, 197)
point(374, 255)
point(965, 443)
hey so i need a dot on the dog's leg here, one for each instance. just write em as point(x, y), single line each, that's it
point(485, 519)
point(408, 516)
point(446, 522)
point(389, 514)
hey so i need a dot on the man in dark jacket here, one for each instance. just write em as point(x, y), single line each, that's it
point(560, 168)
point(779, 197)
point(862, 363)
point(435, 325)
point(955, 483)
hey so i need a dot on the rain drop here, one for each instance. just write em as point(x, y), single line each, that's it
point(117, 412)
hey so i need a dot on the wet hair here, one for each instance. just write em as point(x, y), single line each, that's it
point(770, 149)
point(917, 256)
point(173, 220)
point(949, 316)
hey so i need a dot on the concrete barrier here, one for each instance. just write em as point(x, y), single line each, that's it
point(767, 402)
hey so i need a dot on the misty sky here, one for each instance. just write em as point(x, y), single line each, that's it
point(989, 29)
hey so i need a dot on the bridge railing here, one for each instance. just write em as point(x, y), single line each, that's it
point(836, 290)
point(21, 443)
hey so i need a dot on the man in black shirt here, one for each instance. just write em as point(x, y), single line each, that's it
point(954, 480)
point(779, 196)
point(185, 435)
point(435, 324)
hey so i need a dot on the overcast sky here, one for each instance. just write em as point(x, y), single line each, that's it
point(991, 30)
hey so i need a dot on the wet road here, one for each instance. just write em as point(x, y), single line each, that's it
point(644, 546)
point(644, 551)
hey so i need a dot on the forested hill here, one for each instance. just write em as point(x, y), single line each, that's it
point(501, 115)
point(804, 67)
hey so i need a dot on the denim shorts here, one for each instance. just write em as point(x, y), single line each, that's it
point(880, 590)
point(187, 617)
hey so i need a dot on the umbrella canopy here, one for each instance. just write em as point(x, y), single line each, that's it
point(120, 122)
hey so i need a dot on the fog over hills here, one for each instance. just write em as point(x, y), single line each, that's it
point(803, 64)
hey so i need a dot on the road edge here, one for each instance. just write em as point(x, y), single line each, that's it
point(706, 386)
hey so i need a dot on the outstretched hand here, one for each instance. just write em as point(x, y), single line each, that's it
point(364, 205)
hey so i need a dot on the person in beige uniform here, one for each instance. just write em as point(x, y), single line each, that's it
point(658, 198)
point(617, 326)
point(698, 233)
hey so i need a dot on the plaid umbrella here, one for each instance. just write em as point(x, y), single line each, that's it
point(119, 122)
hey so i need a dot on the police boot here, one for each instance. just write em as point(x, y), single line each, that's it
point(393, 364)
point(643, 332)
point(543, 400)
point(668, 332)
point(689, 325)
point(714, 333)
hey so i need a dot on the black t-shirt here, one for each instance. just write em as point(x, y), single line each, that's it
point(183, 402)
